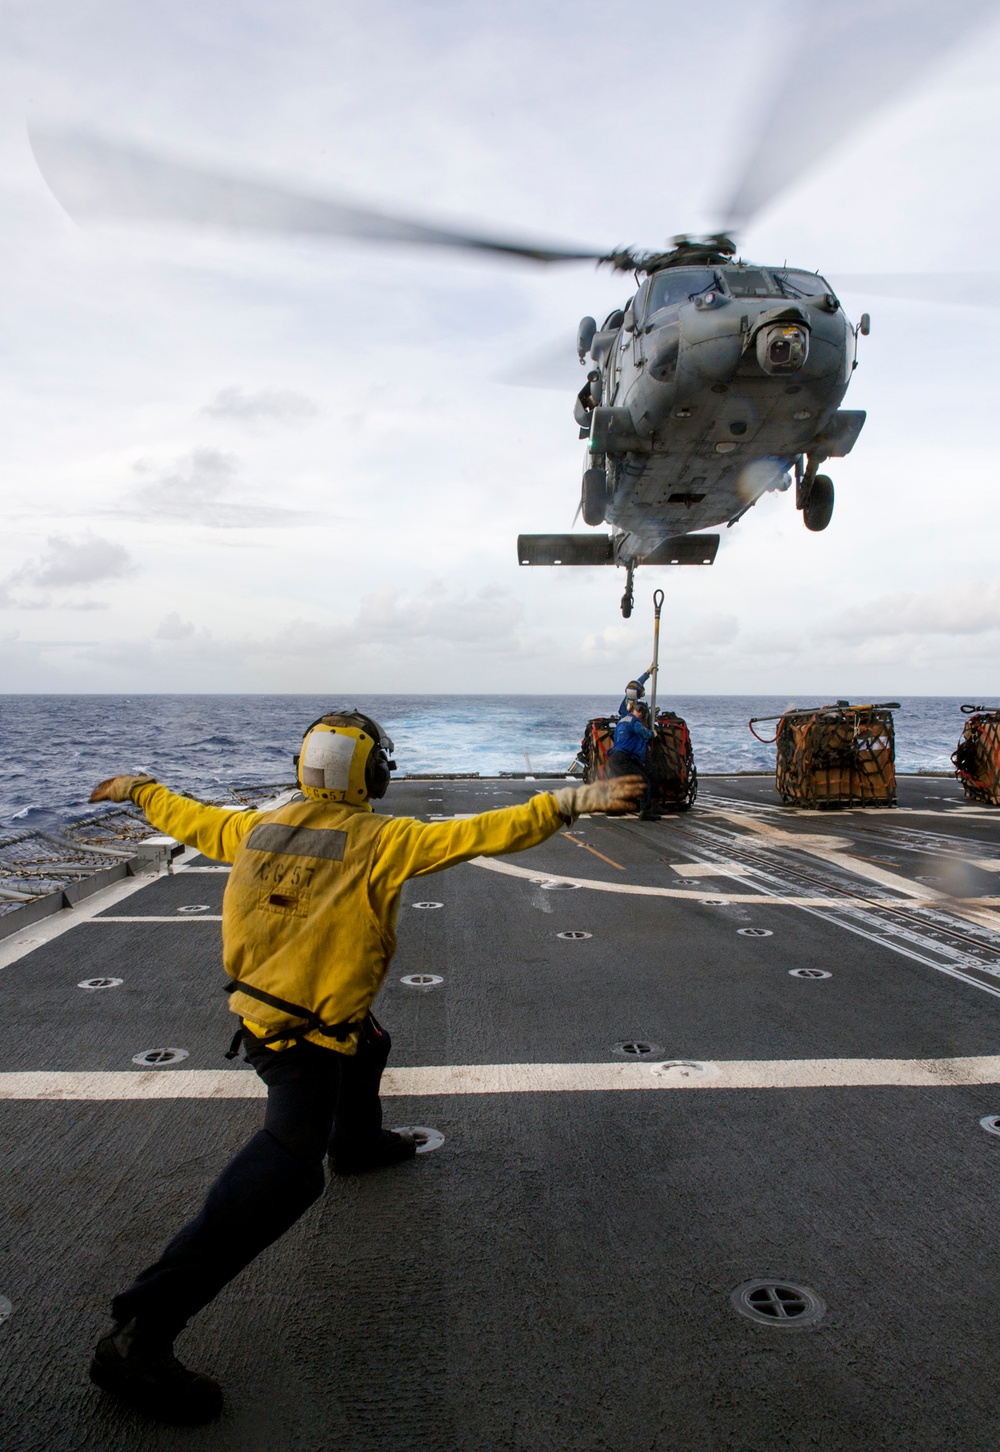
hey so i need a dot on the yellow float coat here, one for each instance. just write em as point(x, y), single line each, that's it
point(309, 913)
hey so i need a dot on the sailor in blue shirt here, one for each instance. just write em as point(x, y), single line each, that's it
point(634, 691)
point(627, 756)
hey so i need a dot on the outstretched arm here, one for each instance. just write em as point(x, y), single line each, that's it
point(216, 831)
point(414, 849)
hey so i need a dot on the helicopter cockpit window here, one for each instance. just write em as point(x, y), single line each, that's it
point(676, 285)
point(750, 282)
point(803, 284)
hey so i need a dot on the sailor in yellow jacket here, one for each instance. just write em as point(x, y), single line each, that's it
point(308, 932)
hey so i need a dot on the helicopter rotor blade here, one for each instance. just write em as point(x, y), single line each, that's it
point(93, 178)
point(969, 289)
point(555, 366)
point(846, 62)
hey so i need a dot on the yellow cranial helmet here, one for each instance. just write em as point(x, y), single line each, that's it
point(345, 757)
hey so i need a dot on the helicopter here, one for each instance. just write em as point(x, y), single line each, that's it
point(719, 380)
point(716, 383)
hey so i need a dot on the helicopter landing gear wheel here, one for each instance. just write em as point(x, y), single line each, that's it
point(818, 509)
point(627, 600)
point(595, 496)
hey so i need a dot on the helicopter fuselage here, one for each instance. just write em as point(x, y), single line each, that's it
point(711, 387)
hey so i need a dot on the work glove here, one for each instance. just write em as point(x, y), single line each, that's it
point(119, 788)
point(615, 795)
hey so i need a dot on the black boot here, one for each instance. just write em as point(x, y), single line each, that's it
point(141, 1368)
point(390, 1148)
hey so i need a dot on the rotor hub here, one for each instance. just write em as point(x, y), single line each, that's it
point(687, 251)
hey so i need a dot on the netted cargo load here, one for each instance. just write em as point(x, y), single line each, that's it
point(976, 758)
point(835, 756)
point(598, 739)
point(670, 763)
point(669, 759)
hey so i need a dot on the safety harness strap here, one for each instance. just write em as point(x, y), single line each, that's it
point(313, 1023)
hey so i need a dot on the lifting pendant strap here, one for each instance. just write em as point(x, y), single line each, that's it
point(313, 1023)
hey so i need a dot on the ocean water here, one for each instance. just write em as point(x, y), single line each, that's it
point(54, 749)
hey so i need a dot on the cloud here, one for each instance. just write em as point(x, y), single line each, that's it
point(967, 609)
point(616, 644)
point(489, 618)
point(393, 626)
point(66, 564)
point(172, 627)
point(713, 630)
point(266, 405)
point(200, 488)
point(76, 562)
point(394, 634)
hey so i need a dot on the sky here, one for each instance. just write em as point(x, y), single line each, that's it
point(237, 463)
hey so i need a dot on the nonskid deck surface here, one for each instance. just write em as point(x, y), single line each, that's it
point(558, 1274)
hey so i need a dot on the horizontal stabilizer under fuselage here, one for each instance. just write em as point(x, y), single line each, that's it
point(599, 549)
point(685, 549)
point(565, 549)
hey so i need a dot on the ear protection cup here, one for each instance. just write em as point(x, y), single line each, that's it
point(377, 773)
point(379, 766)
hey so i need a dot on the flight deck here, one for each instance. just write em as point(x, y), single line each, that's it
point(720, 1099)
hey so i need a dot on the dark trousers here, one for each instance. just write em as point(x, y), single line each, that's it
point(318, 1101)
point(623, 763)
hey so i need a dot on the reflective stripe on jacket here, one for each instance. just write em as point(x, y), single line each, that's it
point(309, 913)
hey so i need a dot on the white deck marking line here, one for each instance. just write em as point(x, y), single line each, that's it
point(152, 918)
point(693, 894)
point(832, 850)
point(707, 800)
point(835, 850)
point(823, 908)
point(36, 935)
point(893, 937)
point(522, 1079)
point(709, 869)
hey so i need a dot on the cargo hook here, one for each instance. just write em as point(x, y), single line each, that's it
point(627, 599)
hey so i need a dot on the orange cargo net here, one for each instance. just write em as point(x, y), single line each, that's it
point(835, 756)
point(669, 759)
point(976, 758)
